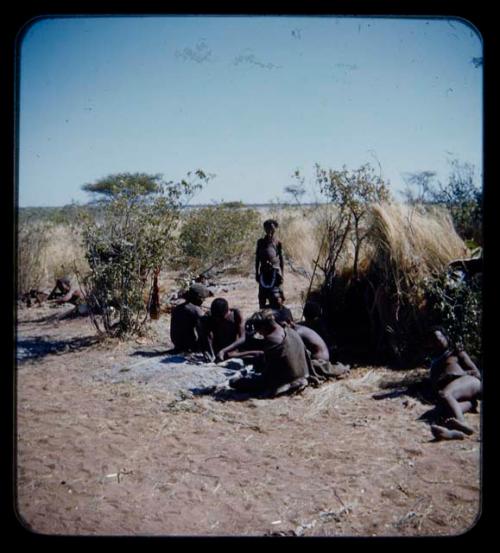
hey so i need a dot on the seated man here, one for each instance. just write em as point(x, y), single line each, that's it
point(221, 327)
point(321, 368)
point(64, 292)
point(185, 323)
point(282, 356)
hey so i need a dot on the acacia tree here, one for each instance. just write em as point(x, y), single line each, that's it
point(129, 242)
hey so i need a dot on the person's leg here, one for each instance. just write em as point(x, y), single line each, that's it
point(442, 433)
point(262, 297)
point(463, 389)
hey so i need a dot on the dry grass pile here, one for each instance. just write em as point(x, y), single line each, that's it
point(408, 245)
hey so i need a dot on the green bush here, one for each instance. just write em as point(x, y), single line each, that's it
point(218, 238)
point(455, 303)
point(130, 240)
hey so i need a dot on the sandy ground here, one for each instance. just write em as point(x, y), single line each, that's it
point(113, 441)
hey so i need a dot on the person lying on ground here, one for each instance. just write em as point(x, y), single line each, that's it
point(269, 263)
point(283, 362)
point(221, 327)
point(321, 368)
point(64, 292)
point(185, 323)
point(457, 383)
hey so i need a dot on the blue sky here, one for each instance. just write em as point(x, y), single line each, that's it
point(249, 99)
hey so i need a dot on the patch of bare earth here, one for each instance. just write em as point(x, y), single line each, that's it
point(128, 457)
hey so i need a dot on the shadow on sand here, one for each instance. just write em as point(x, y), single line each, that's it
point(39, 347)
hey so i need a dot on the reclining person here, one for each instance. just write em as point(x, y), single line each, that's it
point(282, 358)
point(222, 326)
point(457, 382)
point(185, 324)
point(64, 292)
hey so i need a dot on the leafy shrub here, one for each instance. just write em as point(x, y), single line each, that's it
point(218, 238)
point(455, 302)
point(129, 243)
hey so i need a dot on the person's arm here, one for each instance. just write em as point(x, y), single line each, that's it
point(468, 365)
point(280, 255)
point(231, 347)
point(240, 324)
point(257, 262)
point(66, 297)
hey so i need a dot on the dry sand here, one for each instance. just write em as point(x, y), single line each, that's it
point(112, 442)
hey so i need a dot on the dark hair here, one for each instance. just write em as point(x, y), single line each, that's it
point(219, 307)
point(437, 328)
point(262, 319)
point(312, 309)
point(270, 223)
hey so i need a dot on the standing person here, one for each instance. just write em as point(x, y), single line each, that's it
point(222, 327)
point(268, 262)
point(185, 324)
point(457, 383)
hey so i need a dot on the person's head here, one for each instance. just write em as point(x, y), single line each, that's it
point(219, 308)
point(270, 227)
point(64, 284)
point(312, 310)
point(276, 299)
point(262, 321)
point(438, 340)
point(196, 294)
point(283, 317)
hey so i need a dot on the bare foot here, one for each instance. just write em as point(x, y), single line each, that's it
point(459, 425)
point(442, 433)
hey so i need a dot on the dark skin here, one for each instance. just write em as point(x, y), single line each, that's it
point(63, 292)
point(222, 329)
point(273, 334)
point(186, 325)
point(268, 258)
point(457, 383)
point(313, 342)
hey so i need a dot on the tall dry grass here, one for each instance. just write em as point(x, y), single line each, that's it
point(412, 244)
point(46, 252)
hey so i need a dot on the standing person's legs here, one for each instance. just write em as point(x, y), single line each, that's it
point(263, 296)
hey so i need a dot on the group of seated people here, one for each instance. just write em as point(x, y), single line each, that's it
point(286, 356)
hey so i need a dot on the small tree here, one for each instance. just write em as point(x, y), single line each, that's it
point(218, 237)
point(351, 193)
point(129, 243)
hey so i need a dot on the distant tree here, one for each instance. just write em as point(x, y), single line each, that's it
point(459, 195)
point(296, 190)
